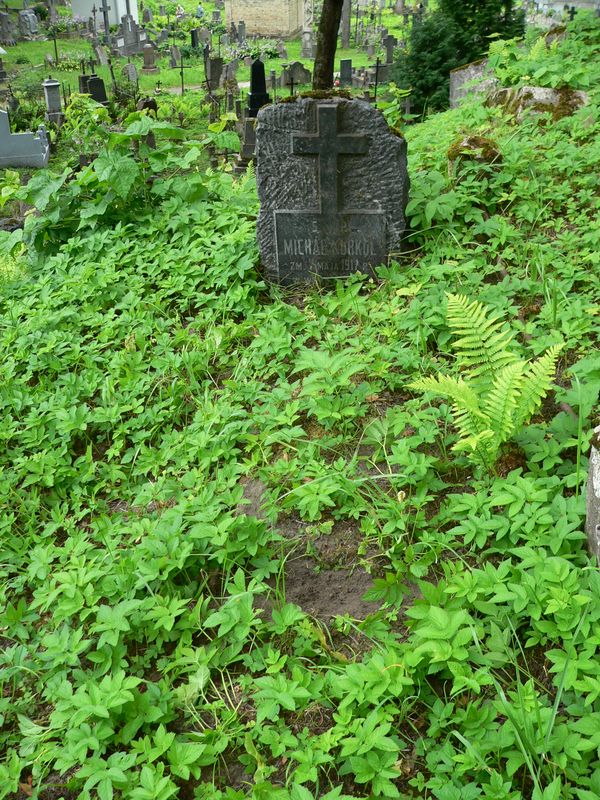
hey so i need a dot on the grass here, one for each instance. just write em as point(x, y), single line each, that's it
point(199, 470)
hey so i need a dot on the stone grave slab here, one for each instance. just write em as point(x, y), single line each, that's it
point(22, 149)
point(333, 185)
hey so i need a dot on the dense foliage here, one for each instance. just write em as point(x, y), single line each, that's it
point(455, 33)
point(156, 393)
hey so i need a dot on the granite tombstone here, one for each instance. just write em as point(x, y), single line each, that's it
point(257, 96)
point(333, 186)
point(346, 72)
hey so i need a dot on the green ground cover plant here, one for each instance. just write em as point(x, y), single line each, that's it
point(178, 437)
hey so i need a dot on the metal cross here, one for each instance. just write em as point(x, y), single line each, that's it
point(94, 12)
point(328, 145)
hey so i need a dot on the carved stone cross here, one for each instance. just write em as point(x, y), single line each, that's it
point(328, 145)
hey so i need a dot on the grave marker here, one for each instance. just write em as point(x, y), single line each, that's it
point(22, 149)
point(333, 186)
point(257, 96)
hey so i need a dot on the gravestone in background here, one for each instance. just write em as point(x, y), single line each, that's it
point(295, 74)
point(346, 72)
point(28, 22)
point(130, 73)
point(22, 149)
point(592, 525)
point(97, 90)
point(257, 96)
point(333, 185)
point(149, 59)
point(7, 29)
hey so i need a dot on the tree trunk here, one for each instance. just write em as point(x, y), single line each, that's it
point(327, 43)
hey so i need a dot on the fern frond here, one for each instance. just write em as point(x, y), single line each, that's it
point(503, 399)
point(455, 389)
point(536, 383)
point(482, 346)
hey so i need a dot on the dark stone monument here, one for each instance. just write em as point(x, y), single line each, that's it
point(241, 32)
point(97, 90)
point(333, 185)
point(346, 72)
point(214, 69)
point(195, 36)
point(257, 96)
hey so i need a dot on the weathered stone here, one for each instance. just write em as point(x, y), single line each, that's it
point(7, 29)
point(538, 99)
point(296, 74)
point(333, 185)
point(28, 22)
point(130, 73)
point(592, 524)
point(346, 72)
point(149, 59)
point(22, 149)
point(469, 79)
point(267, 17)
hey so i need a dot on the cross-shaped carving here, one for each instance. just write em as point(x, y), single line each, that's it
point(328, 145)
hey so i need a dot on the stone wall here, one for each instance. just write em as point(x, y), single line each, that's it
point(266, 17)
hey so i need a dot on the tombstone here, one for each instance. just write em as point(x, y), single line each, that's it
point(214, 69)
point(174, 56)
point(370, 50)
point(22, 149)
point(83, 83)
point(3, 74)
point(163, 36)
point(101, 56)
point(346, 23)
point(130, 38)
point(205, 37)
point(149, 59)
point(7, 29)
point(130, 73)
point(282, 50)
point(295, 74)
point(241, 32)
point(345, 72)
point(592, 522)
point(97, 90)
point(247, 146)
point(195, 38)
point(216, 17)
point(229, 77)
point(162, 11)
point(224, 39)
point(52, 98)
point(257, 96)
point(147, 15)
point(333, 186)
point(389, 42)
point(28, 23)
point(220, 4)
point(308, 46)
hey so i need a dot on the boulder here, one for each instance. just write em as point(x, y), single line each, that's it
point(520, 101)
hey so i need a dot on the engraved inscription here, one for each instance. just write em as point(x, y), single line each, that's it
point(311, 243)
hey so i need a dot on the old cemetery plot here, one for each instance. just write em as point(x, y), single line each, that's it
point(271, 533)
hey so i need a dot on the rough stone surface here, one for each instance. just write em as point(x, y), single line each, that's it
point(592, 525)
point(475, 78)
point(272, 18)
point(333, 185)
point(539, 99)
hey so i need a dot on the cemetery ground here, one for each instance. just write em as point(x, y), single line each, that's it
point(243, 555)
